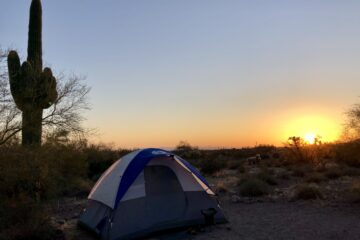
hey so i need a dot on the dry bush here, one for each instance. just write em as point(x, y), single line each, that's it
point(30, 177)
point(306, 192)
point(301, 171)
point(348, 153)
point(351, 171)
point(100, 157)
point(334, 173)
point(352, 124)
point(266, 176)
point(284, 175)
point(241, 169)
point(297, 151)
point(236, 164)
point(24, 218)
point(212, 165)
point(187, 151)
point(315, 177)
point(252, 187)
point(45, 172)
point(354, 192)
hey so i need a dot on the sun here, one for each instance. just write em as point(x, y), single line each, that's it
point(310, 138)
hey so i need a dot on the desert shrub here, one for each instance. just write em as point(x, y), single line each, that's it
point(43, 173)
point(233, 164)
point(252, 187)
point(351, 171)
point(354, 192)
point(184, 146)
point(348, 153)
point(23, 218)
point(241, 169)
point(267, 176)
point(236, 164)
point(333, 173)
point(29, 177)
point(211, 166)
point(315, 178)
point(265, 156)
point(276, 155)
point(185, 150)
point(283, 175)
point(300, 171)
point(306, 192)
point(297, 151)
point(100, 157)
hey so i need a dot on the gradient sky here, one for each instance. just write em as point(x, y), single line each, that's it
point(217, 73)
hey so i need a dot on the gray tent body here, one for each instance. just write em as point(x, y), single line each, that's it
point(164, 196)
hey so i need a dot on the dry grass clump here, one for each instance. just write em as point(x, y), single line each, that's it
point(315, 177)
point(354, 192)
point(284, 174)
point(241, 169)
point(252, 187)
point(306, 192)
point(236, 164)
point(212, 165)
point(24, 218)
point(266, 176)
point(351, 171)
point(300, 171)
point(333, 173)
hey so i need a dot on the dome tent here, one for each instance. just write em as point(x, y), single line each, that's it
point(148, 191)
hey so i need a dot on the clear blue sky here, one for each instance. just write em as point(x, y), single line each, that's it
point(214, 73)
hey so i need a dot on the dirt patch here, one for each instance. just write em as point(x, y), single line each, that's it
point(287, 220)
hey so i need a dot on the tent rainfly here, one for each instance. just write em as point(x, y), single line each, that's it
point(148, 191)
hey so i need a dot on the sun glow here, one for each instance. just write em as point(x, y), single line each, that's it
point(310, 127)
point(310, 138)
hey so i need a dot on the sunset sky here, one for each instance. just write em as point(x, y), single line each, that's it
point(216, 73)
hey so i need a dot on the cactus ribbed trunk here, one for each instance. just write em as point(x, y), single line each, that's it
point(32, 127)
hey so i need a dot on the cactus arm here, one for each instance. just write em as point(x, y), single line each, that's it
point(13, 65)
point(15, 77)
point(47, 88)
point(34, 41)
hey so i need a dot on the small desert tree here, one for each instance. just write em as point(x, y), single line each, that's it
point(9, 113)
point(352, 124)
point(295, 145)
point(184, 146)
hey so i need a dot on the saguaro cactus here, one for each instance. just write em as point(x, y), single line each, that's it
point(32, 88)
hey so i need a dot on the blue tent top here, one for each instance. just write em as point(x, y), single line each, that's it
point(137, 165)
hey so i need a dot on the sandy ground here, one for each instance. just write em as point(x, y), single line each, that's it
point(287, 220)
